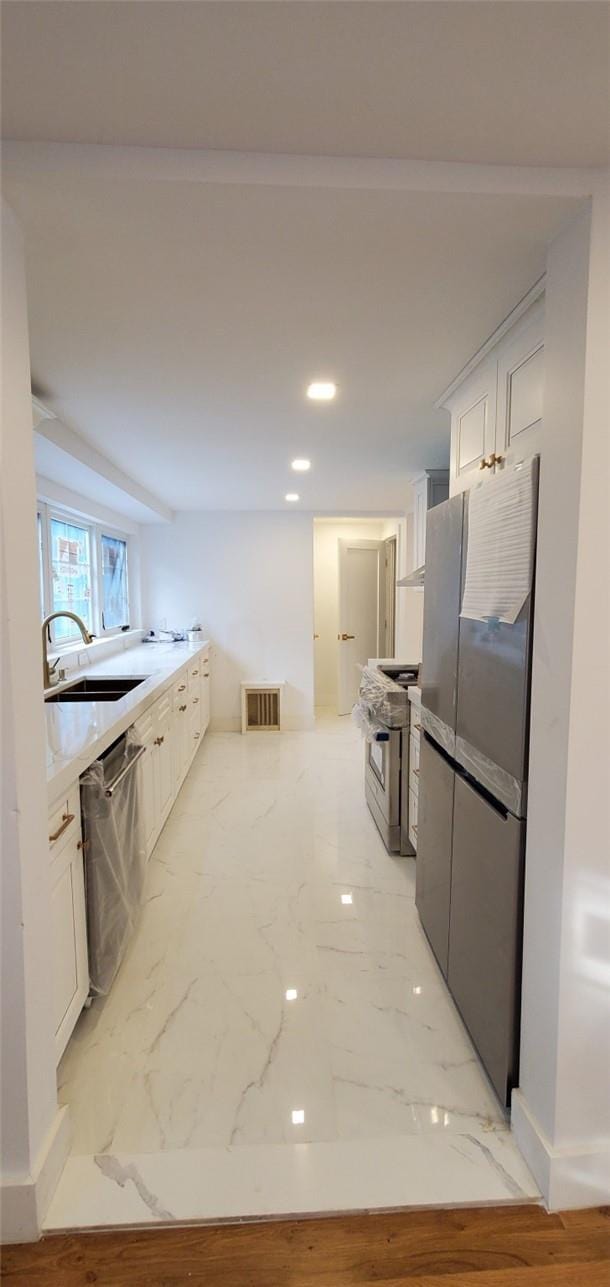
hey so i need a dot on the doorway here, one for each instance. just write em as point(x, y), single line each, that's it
point(355, 562)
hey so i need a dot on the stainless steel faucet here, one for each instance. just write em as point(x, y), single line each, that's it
point(47, 671)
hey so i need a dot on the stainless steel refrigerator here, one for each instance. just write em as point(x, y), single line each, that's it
point(475, 682)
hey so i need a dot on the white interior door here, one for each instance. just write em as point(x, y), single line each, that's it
point(361, 591)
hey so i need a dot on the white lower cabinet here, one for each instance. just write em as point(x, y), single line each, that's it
point(205, 697)
point(171, 730)
point(164, 758)
point(68, 916)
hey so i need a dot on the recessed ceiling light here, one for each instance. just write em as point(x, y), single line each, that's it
point(346, 899)
point(301, 466)
point(292, 496)
point(291, 994)
point(321, 390)
point(298, 1116)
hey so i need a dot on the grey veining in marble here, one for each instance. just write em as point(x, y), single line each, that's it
point(269, 879)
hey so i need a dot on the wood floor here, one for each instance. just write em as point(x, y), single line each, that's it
point(482, 1247)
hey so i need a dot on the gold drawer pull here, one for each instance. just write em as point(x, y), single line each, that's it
point(206, 660)
point(159, 741)
point(82, 844)
point(197, 734)
point(181, 688)
point(195, 700)
point(416, 773)
point(194, 672)
point(66, 819)
point(182, 708)
point(417, 727)
point(206, 674)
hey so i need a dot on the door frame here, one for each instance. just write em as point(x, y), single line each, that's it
point(346, 544)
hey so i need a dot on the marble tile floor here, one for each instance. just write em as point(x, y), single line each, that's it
point(279, 991)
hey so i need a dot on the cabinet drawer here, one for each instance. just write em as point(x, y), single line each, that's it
point(64, 820)
point(413, 818)
point(181, 688)
point(163, 708)
point(144, 727)
point(415, 725)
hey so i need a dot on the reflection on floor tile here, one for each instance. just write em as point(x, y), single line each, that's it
point(279, 988)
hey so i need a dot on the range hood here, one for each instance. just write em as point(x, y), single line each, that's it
point(415, 580)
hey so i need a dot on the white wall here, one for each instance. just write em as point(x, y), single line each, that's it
point(561, 1114)
point(248, 576)
point(34, 1139)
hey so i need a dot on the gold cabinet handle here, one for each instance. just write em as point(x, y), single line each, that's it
point(417, 727)
point(159, 741)
point(416, 773)
point(66, 819)
point(495, 460)
point(182, 708)
point(195, 700)
point(181, 688)
point(343, 637)
point(82, 844)
point(197, 734)
point(194, 672)
point(206, 674)
point(485, 464)
point(206, 660)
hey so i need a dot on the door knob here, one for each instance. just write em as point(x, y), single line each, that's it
point(343, 637)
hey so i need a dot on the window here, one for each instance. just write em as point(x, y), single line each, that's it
point(115, 598)
point(83, 569)
point(71, 576)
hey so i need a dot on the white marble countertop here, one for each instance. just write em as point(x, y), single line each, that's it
point(77, 732)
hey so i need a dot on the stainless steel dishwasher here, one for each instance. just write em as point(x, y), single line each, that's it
point(115, 857)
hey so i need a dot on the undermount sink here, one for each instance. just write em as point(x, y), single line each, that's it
point(108, 688)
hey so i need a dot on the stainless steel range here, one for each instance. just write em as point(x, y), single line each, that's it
point(383, 712)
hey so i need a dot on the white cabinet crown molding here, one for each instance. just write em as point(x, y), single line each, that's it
point(490, 343)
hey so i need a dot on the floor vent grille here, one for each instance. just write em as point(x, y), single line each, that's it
point(260, 709)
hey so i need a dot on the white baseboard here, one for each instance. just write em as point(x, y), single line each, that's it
point(24, 1202)
point(568, 1178)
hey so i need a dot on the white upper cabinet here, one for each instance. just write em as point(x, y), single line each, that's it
point(429, 489)
point(521, 386)
point(473, 424)
point(496, 410)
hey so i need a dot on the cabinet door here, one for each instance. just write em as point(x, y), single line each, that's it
point(420, 488)
point(181, 737)
point(194, 710)
point(148, 796)
point(70, 966)
point(434, 812)
point(164, 776)
point(206, 692)
point(521, 388)
point(485, 940)
point(473, 425)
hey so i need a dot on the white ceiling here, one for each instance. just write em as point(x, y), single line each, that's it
point(175, 324)
point(493, 82)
